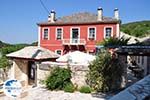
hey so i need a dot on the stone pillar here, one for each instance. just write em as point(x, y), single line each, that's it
point(123, 60)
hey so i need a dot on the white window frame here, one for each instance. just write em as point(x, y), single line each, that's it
point(58, 50)
point(61, 33)
point(71, 31)
point(105, 31)
point(43, 33)
point(88, 38)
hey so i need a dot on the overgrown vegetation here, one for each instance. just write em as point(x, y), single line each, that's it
point(5, 50)
point(69, 88)
point(114, 42)
point(59, 79)
point(2, 44)
point(85, 89)
point(138, 29)
point(105, 73)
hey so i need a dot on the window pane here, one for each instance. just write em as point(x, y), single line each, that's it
point(108, 32)
point(59, 33)
point(92, 33)
point(46, 34)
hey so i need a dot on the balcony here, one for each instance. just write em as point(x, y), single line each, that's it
point(74, 42)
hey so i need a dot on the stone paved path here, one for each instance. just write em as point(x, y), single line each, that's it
point(39, 93)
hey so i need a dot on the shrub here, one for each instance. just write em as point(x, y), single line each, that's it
point(69, 88)
point(105, 73)
point(58, 78)
point(85, 89)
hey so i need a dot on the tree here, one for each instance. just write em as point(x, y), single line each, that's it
point(105, 72)
point(114, 42)
point(4, 62)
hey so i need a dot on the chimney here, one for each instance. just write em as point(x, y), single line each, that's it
point(51, 17)
point(99, 14)
point(116, 13)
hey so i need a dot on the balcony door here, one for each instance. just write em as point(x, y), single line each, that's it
point(75, 35)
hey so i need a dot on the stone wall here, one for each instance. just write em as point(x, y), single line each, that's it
point(19, 71)
point(78, 73)
point(43, 70)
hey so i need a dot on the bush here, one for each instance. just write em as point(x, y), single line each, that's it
point(85, 89)
point(58, 78)
point(69, 88)
point(105, 73)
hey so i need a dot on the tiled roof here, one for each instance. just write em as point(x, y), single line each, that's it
point(33, 52)
point(78, 18)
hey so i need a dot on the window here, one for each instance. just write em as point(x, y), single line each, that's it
point(58, 52)
point(59, 33)
point(92, 33)
point(108, 32)
point(45, 34)
point(75, 34)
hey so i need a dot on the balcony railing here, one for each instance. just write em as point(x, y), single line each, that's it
point(74, 42)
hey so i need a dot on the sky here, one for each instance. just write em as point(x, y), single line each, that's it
point(19, 18)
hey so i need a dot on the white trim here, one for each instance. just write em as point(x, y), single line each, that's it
point(61, 34)
point(59, 50)
point(118, 30)
point(48, 33)
point(71, 31)
point(89, 32)
point(39, 36)
point(105, 31)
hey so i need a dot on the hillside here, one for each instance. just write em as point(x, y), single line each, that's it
point(137, 29)
point(2, 44)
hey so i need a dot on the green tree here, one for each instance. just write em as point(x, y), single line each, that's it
point(138, 29)
point(114, 42)
point(105, 72)
point(4, 62)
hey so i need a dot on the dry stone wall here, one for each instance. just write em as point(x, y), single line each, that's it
point(78, 73)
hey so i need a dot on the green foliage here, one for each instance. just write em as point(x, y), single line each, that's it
point(4, 62)
point(85, 89)
point(8, 49)
point(105, 73)
point(114, 42)
point(34, 44)
point(69, 88)
point(58, 78)
point(138, 29)
point(2, 44)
